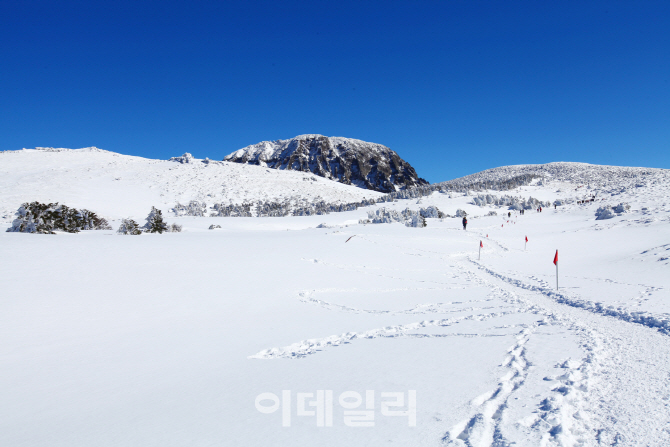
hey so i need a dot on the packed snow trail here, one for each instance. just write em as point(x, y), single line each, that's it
point(624, 362)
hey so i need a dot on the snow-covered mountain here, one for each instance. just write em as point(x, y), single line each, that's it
point(116, 185)
point(346, 160)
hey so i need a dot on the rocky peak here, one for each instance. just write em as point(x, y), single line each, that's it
point(346, 160)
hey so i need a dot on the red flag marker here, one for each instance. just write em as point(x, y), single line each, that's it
point(556, 264)
point(481, 245)
point(526, 238)
point(525, 243)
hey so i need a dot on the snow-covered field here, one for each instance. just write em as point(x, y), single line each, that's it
point(173, 339)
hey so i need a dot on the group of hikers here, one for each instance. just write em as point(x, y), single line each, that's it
point(509, 215)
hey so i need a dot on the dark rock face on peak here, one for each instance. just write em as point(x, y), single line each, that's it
point(349, 161)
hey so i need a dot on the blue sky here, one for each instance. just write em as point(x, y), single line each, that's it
point(453, 86)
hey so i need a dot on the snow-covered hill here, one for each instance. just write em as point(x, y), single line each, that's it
point(596, 177)
point(346, 160)
point(116, 185)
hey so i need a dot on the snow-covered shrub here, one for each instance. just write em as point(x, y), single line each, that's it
point(45, 218)
point(214, 227)
point(604, 212)
point(621, 208)
point(322, 225)
point(384, 215)
point(492, 213)
point(129, 226)
point(194, 208)
point(407, 217)
point(174, 228)
point(155, 223)
point(461, 213)
point(608, 212)
point(186, 158)
point(431, 212)
point(414, 219)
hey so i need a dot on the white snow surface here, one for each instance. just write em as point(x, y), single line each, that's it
point(168, 340)
point(116, 186)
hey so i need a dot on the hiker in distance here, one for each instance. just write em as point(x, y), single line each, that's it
point(465, 222)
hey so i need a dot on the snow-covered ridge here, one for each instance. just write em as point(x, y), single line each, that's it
point(346, 160)
point(57, 149)
point(571, 172)
point(118, 186)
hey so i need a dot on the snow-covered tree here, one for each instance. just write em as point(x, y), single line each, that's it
point(34, 217)
point(155, 223)
point(91, 221)
point(129, 226)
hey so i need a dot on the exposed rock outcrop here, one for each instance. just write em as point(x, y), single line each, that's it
point(349, 161)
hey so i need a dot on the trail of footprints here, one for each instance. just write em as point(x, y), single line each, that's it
point(436, 308)
point(483, 428)
point(312, 346)
point(558, 419)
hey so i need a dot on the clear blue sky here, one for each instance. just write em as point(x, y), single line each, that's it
point(453, 86)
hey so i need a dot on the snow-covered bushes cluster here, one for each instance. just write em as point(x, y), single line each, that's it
point(407, 217)
point(46, 218)
point(232, 210)
point(154, 224)
point(288, 207)
point(300, 207)
point(608, 212)
point(432, 212)
point(468, 184)
point(514, 203)
point(194, 208)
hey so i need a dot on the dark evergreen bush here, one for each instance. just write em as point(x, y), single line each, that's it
point(46, 218)
point(129, 226)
